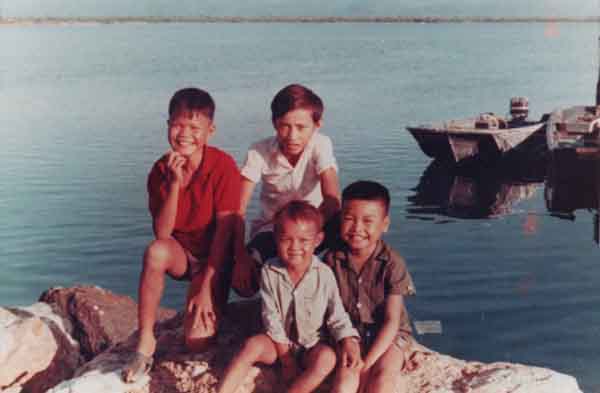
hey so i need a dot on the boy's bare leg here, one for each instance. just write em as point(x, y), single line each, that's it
point(161, 256)
point(385, 375)
point(319, 361)
point(198, 337)
point(346, 380)
point(256, 349)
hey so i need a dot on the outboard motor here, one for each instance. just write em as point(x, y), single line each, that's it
point(519, 108)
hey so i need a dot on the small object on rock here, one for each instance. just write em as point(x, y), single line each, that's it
point(428, 327)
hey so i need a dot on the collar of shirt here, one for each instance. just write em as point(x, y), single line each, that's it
point(277, 266)
point(379, 254)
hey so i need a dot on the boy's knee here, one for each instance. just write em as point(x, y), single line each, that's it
point(252, 347)
point(199, 344)
point(325, 360)
point(157, 254)
point(346, 380)
point(381, 378)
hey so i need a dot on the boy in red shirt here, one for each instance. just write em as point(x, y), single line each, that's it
point(193, 198)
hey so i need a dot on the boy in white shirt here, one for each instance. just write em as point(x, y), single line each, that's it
point(295, 164)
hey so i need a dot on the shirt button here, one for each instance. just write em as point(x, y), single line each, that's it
point(358, 305)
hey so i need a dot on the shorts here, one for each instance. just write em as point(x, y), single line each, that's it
point(194, 266)
point(368, 334)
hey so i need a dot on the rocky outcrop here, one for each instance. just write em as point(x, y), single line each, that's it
point(37, 350)
point(100, 318)
point(176, 370)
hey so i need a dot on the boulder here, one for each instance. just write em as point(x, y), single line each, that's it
point(36, 349)
point(100, 318)
point(33, 357)
point(177, 371)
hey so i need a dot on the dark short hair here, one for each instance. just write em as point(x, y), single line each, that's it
point(298, 211)
point(294, 97)
point(367, 190)
point(192, 99)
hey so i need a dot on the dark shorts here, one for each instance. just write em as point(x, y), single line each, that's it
point(197, 265)
point(368, 334)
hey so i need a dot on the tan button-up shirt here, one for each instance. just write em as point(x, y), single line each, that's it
point(364, 293)
point(297, 315)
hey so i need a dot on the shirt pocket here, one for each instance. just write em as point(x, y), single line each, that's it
point(377, 295)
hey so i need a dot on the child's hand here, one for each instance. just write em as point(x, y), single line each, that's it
point(350, 353)
point(200, 306)
point(175, 163)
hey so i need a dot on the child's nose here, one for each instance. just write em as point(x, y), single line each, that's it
point(293, 135)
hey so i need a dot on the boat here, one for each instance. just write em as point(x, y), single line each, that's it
point(486, 137)
point(574, 132)
point(578, 193)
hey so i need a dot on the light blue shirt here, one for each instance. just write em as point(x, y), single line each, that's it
point(315, 302)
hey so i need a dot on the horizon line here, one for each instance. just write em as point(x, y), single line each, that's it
point(299, 19)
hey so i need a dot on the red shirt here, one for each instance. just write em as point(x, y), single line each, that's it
point(214, 187)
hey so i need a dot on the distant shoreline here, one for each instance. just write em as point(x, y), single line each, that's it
point(297, 19)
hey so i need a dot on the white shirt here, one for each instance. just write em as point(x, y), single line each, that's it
point(314, 303)
point(282, 182)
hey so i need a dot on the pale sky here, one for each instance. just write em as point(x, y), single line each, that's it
point(497, 8)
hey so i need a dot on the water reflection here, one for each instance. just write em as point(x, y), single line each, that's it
point(480, 192)
point(574, 184)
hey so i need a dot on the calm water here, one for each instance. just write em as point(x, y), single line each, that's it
point(83, 111)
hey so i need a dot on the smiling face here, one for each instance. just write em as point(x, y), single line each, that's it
point(363, 224)
point(189, 132)
point(294, 130)
point(296, 242)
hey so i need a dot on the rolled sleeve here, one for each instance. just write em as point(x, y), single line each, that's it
point(324, 158)
point(271, 314)
point(338, 320)
point(253, 166)
point(400, 281)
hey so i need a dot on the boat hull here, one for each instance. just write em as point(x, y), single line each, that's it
point(466, 144)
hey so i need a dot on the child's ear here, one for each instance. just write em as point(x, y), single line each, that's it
point(386, 223)
point(212, 129)
point(318, 124)
point(319, 238)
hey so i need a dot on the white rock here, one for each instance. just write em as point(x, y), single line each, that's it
point(102, 375)
point(27, 347)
